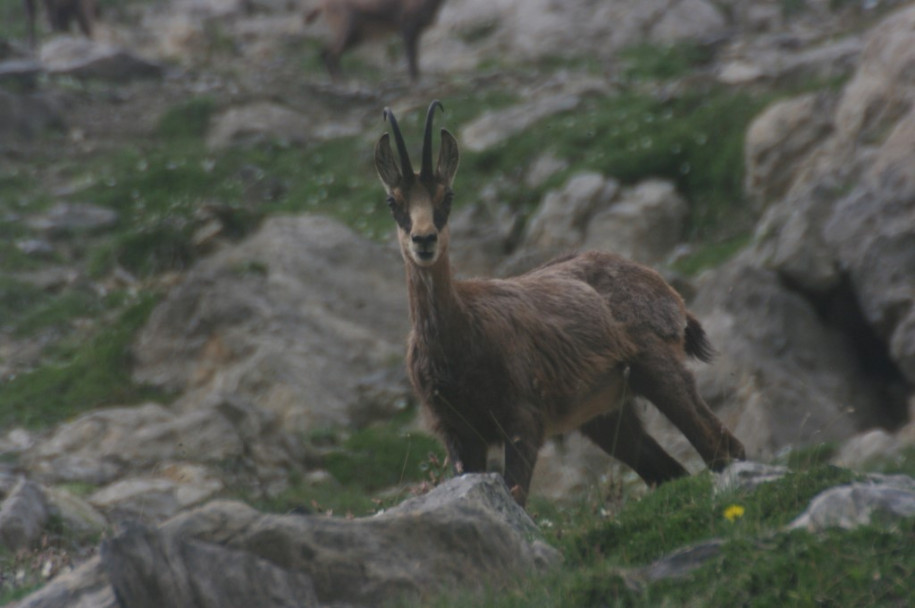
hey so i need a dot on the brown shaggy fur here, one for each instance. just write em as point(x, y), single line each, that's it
point(564, 346)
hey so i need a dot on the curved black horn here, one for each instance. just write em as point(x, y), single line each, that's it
point(425, 171)
point(406, 168)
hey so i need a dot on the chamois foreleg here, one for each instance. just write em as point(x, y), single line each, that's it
point(522, 443)
point(85, 13)
point(622, 435)
point(346, 37)
point(411, 36)
point(59, 14)
point(30, 11)
point(465, 455)
point(663, 378)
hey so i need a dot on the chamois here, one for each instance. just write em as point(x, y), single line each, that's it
point(502, 364)
point(61, 13)
point(352, 21)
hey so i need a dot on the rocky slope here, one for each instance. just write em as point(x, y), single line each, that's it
point(269, 335)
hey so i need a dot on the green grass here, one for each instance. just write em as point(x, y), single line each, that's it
point(382, 456)
point(691, 512)
point(663, 62)
point(759, 564)
point(711, 254)
point(80, 376)
point(326, 497)
point(364, 467)
point(13, 21)
point(695, 140)
point(59, 311)
point(187, 120)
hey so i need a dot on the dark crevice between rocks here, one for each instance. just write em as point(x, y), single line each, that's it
point(839, 309)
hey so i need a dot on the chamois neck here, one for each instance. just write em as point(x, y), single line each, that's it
point(434, 303)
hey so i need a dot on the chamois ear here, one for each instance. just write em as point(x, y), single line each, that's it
point(448, 158)
point(386, 165)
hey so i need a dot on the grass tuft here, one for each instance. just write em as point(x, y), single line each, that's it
point(90, 374)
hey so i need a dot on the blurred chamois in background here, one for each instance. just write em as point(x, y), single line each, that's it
point(353, 21)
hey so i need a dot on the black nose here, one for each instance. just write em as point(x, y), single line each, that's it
point(424, 240)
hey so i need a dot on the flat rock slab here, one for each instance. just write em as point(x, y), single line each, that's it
point(150, 569)
point(467, 533)
point(81, 58)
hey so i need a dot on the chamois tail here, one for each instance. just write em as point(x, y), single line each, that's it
point(697, 344)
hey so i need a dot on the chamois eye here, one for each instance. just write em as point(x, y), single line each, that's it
point(391, 203)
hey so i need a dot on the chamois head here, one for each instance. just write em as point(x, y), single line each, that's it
point(420, 202)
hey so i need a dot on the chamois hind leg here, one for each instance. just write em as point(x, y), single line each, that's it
point(622, 435)
point(658, 374)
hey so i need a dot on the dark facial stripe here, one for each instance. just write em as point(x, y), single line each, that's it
point(442, 211)
point(400, 214)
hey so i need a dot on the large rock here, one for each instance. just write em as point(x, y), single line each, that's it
point(779, 140)
point(22, 516)
point(776, 59)
point(294, 320)
point(688, 20)
point(112, 447)
point(562, 94)
point(871, 234)
point(882, 500)
point(830, 320)
point(87, 586)
point(590, 211)
point(790, 378)
point(77, 516)
point(467, 533)
point(267, 121)
point(149, 568)
point(644, 224)
point(561, 220)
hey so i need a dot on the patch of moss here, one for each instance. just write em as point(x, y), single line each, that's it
point(760, 564)
point(675, 514)
point(664, 62)
point(694, 140)
point(318, 498)
point(711, 254)
point(15, 297)
point(868, 566)
point(95, 372)
point(381, 456)
point(365, 467)
point(818, 454)
point(189, 119)
point(58, 310)
point(687, 510)
point(19, 196)
point(13, 22)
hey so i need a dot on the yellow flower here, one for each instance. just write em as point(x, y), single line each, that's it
point(733, 512)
